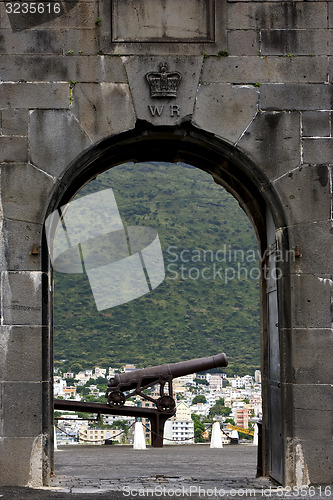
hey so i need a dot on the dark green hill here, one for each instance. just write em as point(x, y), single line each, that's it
point(198, 310)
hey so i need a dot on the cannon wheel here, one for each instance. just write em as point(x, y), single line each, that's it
point(165, 403)
point(116, 398)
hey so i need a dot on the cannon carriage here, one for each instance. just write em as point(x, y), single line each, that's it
point(125, 385)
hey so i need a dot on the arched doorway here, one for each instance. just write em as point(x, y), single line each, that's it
point(257, 198)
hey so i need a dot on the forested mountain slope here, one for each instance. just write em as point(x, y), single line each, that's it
point(209, 299)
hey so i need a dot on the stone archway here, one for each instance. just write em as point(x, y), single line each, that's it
point(76, 93)
point(242, 178)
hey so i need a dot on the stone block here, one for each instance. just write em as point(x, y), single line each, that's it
point(273, 142)
point(295, 42)
point(162, 27)
point(114, 69)
point(162, 20)
point(84, 41)
point(77, 14)
point(311, 301)
point(292, 96)
point(19, 238)
point(25, 192)
point(225, 110)
point(330, 14)
point(14, 122)
point(57, 139)
point(31, 42)
point(163, 110)
point(310, 396)
point(243, 43)
point(22, 409)
point(284, 15)
point(312, 353)
point(272, 69)
point(316, 123)
point(315, 419)
point(314, 258)
point(103, 110)
point(33, 95)
point(303, 187)
point(319, 462)
point(317, 151)
point(15, 456)
point(21, 353)
point(22, 298)
point(68, 68)
point(13, 149)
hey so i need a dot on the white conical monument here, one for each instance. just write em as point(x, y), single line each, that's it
point(216, 439)
point(234, 438)
point(255, 437)
point(139, 437)
point(167, 436)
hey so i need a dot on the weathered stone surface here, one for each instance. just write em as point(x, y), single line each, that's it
point(293, 97)
point(31, 42)
point(315, 258)
point(273, 142)
point(81, 41)
point(265, 70)
point(312, 355)
point(316, 420)
point(15, 455)
point(63, 69)
point(316, 123)
point(295, 42)
point(75, 101)
point(162, 20)
point(14, 122)
point(33, 95)
point(311, 301)
point(225, 110)
point(22, 301)
point(320, 464)
point(284, 15)
point(22, 403)
point(13, 149)
point(310, 396)
point(318, 151)
point(330, 14)
point(80, 14)
point(25, 192)
point(21, 353)
point(173, 110)
point(303, 187)
point(56, 140)
point(103, 110)
point(19, 238)
point(243, 42)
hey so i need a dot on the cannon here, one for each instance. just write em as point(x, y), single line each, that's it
point(124, 385)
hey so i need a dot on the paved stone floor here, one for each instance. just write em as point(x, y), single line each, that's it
point(119, 472)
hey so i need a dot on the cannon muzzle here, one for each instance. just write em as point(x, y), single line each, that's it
point(149, 376)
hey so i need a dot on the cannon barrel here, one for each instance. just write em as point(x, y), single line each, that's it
point(128, 381)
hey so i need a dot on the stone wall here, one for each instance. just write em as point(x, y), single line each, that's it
point(255, 74)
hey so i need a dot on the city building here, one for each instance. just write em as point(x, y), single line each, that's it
point(98, 436)
point(180, 428)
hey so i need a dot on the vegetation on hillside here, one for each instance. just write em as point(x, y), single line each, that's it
point(209, 300)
